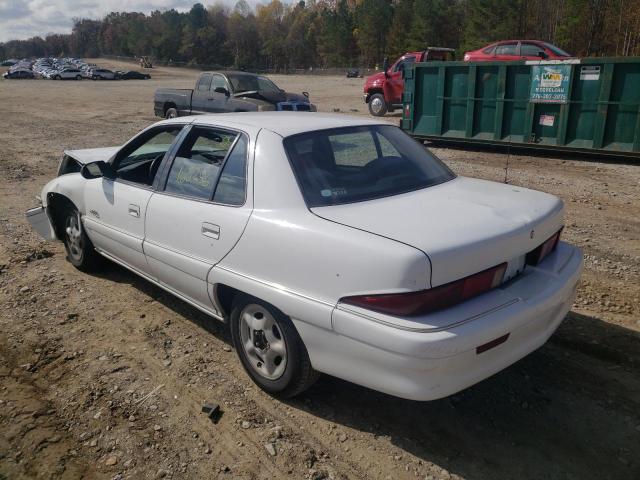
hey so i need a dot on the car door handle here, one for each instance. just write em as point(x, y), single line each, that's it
point(210, 230)
point(134, 210)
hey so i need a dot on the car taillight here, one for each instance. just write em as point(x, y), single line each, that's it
point(535, 256)
point(426, 301)
point(407, 110)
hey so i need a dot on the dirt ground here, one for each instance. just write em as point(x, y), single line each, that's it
point(104, 376)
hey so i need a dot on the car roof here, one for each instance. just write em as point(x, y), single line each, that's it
point(284, 124)
point(234, 72)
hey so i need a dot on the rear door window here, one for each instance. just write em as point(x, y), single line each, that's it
point(506, 49)
point(195, 169)
point(233, 179)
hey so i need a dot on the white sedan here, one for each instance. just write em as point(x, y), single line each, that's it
point(329, 243)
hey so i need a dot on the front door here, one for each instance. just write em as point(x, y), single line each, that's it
point(115, 208)
point(394, 84)
point(202, 95)
point(198, 215)
point(220, 102)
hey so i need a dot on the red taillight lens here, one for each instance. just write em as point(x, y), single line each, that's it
point(426, 301)
point(534, 257)
point(407, 110)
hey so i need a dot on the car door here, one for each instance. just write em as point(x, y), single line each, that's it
point(507, 51)
point(394, 84)
point(200, 212)
point(220, 102)
point(200, 100)
point(115, 208)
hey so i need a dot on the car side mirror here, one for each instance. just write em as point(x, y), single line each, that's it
point(96, 170)
point(385, 66)
point(221, 90)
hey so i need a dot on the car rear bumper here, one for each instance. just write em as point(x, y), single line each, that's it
point(423, 362)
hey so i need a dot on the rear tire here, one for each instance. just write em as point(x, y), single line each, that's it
point(270, 348)
point(171, 113)
point(377, 105)
point(80, 251)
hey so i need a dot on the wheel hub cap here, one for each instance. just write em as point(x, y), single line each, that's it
point(74, 236)
point(263, 342)
point(376, 104)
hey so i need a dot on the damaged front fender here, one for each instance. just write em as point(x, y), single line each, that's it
point(41, 223)
point(66, 188)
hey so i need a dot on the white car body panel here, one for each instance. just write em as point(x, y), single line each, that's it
point(465, 225)
point(89, 155)
point(304, 261)
point(115, 219)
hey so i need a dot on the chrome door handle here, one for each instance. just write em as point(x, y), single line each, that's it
point(210, 230)
point(134, 210)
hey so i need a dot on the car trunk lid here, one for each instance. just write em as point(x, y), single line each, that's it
point(464, 226)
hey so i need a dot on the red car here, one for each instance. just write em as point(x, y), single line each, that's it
point(509, 50)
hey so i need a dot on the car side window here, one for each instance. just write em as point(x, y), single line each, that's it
point(489, 50)
point(138, 162)
point(195, 169)
point(405, 61)
point(232, 184)
point(218, 82)
point(506, 49)
point(530, 50)
point(204, 82)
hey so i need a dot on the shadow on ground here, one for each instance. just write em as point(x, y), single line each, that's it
point(570, 410)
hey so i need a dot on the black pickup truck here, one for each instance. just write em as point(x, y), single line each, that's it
point(218, 92)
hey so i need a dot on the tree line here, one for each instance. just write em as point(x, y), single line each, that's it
point(341, 33)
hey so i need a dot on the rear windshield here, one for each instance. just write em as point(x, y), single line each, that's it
point(355, 164)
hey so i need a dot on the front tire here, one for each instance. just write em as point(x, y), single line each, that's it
point(270, 349)
point(80, 251)
point(377, 105)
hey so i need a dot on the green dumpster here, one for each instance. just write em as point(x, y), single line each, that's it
point(588, 105)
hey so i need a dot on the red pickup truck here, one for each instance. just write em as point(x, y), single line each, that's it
point(383, 91)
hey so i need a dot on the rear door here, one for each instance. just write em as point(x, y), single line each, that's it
point(201, 95)
point(506, 51)
point(199, 212)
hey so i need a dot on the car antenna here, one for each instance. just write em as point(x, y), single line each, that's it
point(506, 167)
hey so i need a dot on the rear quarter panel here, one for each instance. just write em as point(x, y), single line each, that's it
point(291, 250)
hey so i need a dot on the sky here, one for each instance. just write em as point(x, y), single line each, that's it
point(20, 19)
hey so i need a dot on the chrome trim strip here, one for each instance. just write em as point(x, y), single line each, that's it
point(172, 250)
point(275, 286)
point(431, 329)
